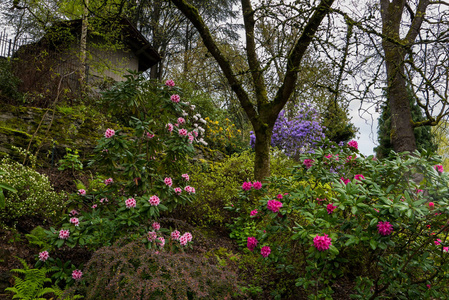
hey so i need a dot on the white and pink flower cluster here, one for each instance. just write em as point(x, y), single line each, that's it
point(109, 181)
point(154, 200)
point(109, 133)
point(43, 256)
point(77, 274)
point(130, 203)
point(183, 239)
point(75, 221)
point(64, 234)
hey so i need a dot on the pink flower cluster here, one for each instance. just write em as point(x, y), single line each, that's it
point(274, 205)
point(185, 238)
point(246, 186)
point(183, 132)
point(154, 200)
point(94, 206)
point(168, 181)
point(265, 251)
point(439, 168)
point(77, 274)
point(181, 120)
point(189, 189)
point(169, 127)
point(175, 235)
point(109, 181)
point(73, 212)
point(43, 256)
point(257, 185)
point(437, 242)
point(330, 208)
point(178, 190)
point(81, 192)
point(446, 249)
point(156, 226)
point(175, 98)
point(185, 176)
point(308, 163)
point(64, 234)
point(431, 205)
point(104, 200)
point(161, 241)
point(353, 144)
point(131, 202)
point(384, 228)
point(75, 221)
point(109, 133)
point(170, 83)
point(152, 236)
point(345, 181)
point(322, 243)
point(251, 243)
point(253, 213)
point(359, 177)
point(149, 135)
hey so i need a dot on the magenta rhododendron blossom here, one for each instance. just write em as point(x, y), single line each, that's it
point(345, 181)
point(109, 181)
point(183, 132)
point(322, 243)
point(265, 251)
point(109, 133)
point(257, 185)
point(185, 176)
point(246, 186)
point(189, 189)
point(279, 196)
point(353, 144)
point(178, 190)
point(359, 177)
point(330, 208)
point(274, 205)
point(251, 243)
point(253, 213)
point(154, 200)
point(64, 234)
point(151, 236)
point(446, 249)
point(308, 163)
point(175, 235)
point(431, 205)
point(170, 83)
point(149, 135)
point(43, 256)
point(191, 137)
point(168, 181)
point(77, 274)
point(131, 202)
point(75, 221)
point(439, 168)
point(437, 242)
point(419, 191)
point(181, 120)
point(428, 286)
point(162, 241)
point(82, 192)
point(175, 98)
point(384, 228)
point(156, 226)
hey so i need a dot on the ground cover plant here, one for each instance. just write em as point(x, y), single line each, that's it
point(380, 223)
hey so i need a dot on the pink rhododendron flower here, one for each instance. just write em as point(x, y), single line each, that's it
point(109, 181)
point(189, 189)
point(419, 191)
point(446, 249)
point(189, 236)
point(191, 138)
point(64, 234)
point(94, 206)
point(73, 212)
point(75, 221)
point(77, 274)
point(82, 192)
point(246, 186)
point(178, 190)
point(154, 200)
point(253, 213)
point(104, 200)
point(162, 241)
point(151, 236)
point(437, 242)
point(175, 235)
point(170, 83)
point(353, 144)
point(183, 132)
point(428, 286)
point(274, 205)
point(251, 243)
point(431, 205)
point(329, 156)
point(308, 163)
point(181, 120)
point(185, 176)
point(322, 243)
point(149, 135)
point(345, 181)
point(359, 177)
point(109, 133)
point(265, 251)
point(156, 226)
point(168, 181)
point(43, 256)
point(131, 202)
point(169, 127)
point(279, 196)
point(384, 228)
point(330, 208)
point(175, 98)
point(183, 240)
point(439, 168)
point(257, 185)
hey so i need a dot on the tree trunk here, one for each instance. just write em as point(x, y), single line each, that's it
point(262, 150)
point(83, 50)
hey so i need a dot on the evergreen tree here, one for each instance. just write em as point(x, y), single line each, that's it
point(337, 123)
point(423, 134)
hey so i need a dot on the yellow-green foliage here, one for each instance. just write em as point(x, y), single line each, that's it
point(224, 136)
point(218, 183)
point(35, 195)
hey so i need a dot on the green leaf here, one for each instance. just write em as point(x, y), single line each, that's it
point(2, 200)
point(7, 187)
point(373, 221)
point(373, 244)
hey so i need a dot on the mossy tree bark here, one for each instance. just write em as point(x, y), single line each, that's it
point(402, 135)
point(261, 111)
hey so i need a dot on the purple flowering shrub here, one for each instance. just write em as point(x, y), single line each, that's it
point(298, 134)
point(360, 219)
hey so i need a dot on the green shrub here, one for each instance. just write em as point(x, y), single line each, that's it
point(35, 196)
point(8, 82)
point(133, 272)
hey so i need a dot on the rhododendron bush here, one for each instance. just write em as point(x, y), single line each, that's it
point(382, 224)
